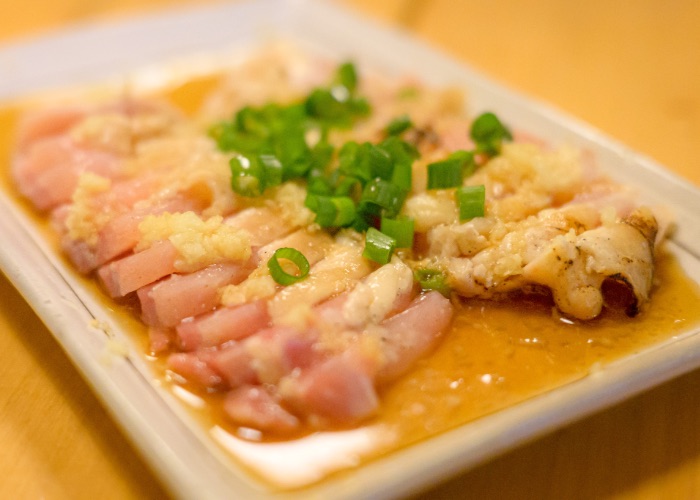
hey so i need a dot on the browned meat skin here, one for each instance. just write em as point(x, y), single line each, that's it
point(575, 269)
point(570, 259)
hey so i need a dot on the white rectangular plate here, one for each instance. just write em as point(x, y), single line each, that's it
point(179, 449)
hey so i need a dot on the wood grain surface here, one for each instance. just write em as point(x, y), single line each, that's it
point(630, 68)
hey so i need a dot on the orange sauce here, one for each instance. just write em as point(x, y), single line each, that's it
point(501, 353)
point(495, 355)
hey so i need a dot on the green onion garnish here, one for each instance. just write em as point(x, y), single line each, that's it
point(378, 246)
point(321, 155)
point(402, 176)
point(280, 133)
point(471, 201)
point(401, 229)
point(467, 160)
point(318, 185)
point(445, 174)
point(252, 174)
point(488, 133)
point(293, 255)
point(271, 169)
point(338, 105)
point(450, 173)
point(326, 104)
point(350, 162)
point(432, 279)
point(365, 161)
point(347, 76)
point(362, 185)
point(348, 186)
point(382, 197)
point(331, 211)
point(399, 125)
point(379, 160)
point(399, 150)
point(247, 177)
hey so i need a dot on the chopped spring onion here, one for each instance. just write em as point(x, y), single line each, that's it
point(471, 201)
point(401, 229)
point(445, 174)
point(321, 155)
point(365, 161)
point(362, 185)
point(336, 105)
point(317, 184)
point(286, 132)
point(432, 279)
point(349, 162)
point(399, 125)
point(332, 211)
point(381, 197)
point(272, 170)
point(449, 173)
point(247, 177)
point(467, 159)
point(295, 257)
point(348, 186)
point(326, 104)
point(347, 76)
point(254, 129)
point(378, 246)
point(377, 159)
point(402, 175)
point(252, 174)
point(399, 150)
point(488, 133)
point(402, 154)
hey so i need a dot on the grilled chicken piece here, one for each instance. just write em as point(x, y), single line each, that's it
point(575, 267)
point(567, 250)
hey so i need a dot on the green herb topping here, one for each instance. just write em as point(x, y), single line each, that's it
point(357, 185)
point(295, 257)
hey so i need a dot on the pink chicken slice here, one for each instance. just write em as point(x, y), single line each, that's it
point(169, 301)
point(222, 325)
point(48, 172)
point(338, 390)
point(342, 389)
point(256, 407)
point(413, 333)
point(46, 123)
point(326, 387)
point(142, 268)
point(119, 235)
point(126, 275)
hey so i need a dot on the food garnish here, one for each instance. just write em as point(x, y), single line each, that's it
point(295, 257)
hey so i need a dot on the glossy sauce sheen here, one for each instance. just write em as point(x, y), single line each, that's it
point(496, 353)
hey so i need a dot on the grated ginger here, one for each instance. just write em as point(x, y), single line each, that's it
point(84, 221)
point(198, 242)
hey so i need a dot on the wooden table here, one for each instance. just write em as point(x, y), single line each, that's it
point(629, 67)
